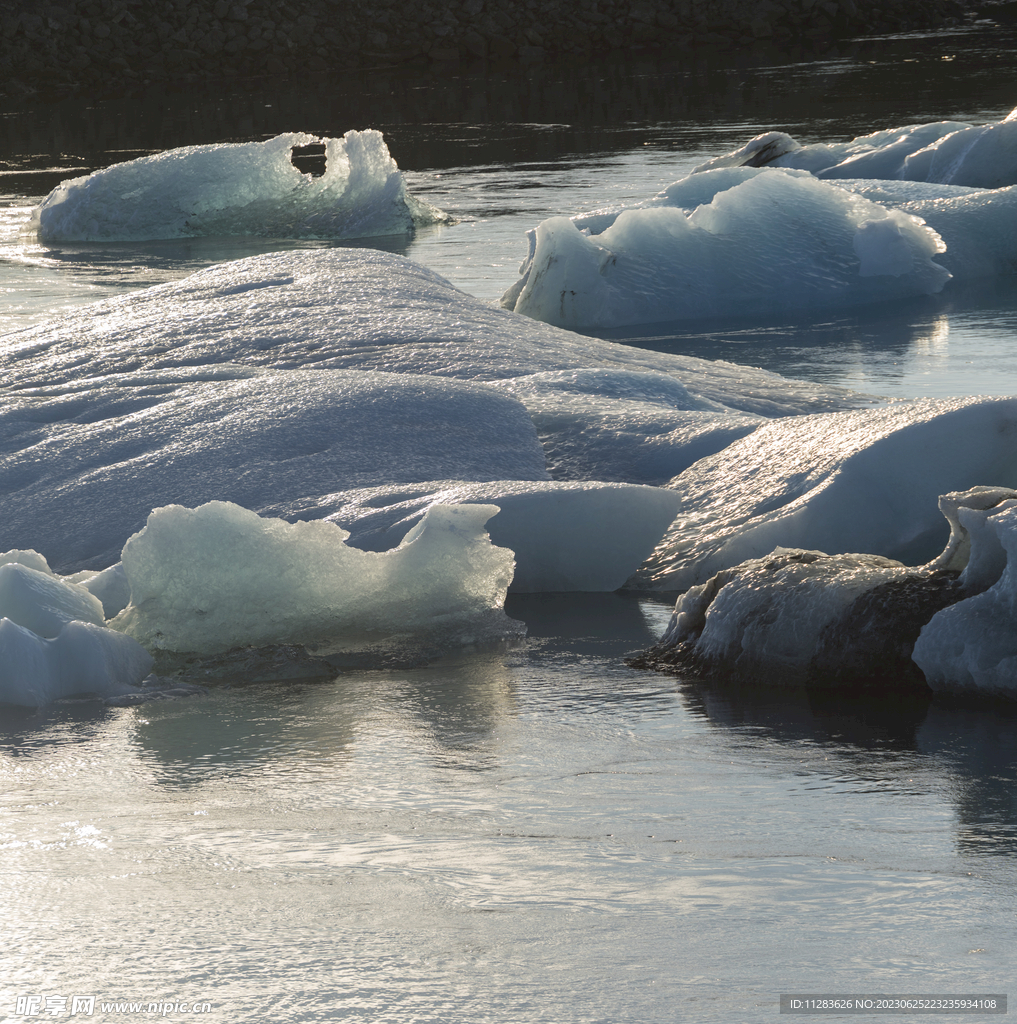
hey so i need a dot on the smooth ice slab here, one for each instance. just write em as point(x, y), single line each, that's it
point(218, 577)
point(864, 481)
point(249, 188)
point(566, 536)
point(114, 449)
point(355, 309)
point(765, 242)
point(971, 646)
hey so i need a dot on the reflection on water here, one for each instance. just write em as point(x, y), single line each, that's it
point(570, 838)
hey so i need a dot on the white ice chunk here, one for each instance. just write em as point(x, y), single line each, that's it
point(30, 558)
point(352, 309)
point(249, 188)
point(866, 480)
point(115, 449)
point(972, 645)
point(218, 577)
point(946, 152)
point(42, 602)
point(566, 536)
point(773, 242)
point(82, 658)
point(111, 587)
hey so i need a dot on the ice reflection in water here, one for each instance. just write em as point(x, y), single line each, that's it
point(539, 834)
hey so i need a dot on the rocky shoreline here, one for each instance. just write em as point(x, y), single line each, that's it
point(96, 43)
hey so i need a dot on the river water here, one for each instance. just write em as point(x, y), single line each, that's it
point(535, 833)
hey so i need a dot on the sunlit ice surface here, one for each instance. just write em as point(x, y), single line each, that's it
point(534, 834)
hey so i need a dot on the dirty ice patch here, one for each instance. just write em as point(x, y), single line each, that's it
point(113, 449)
point(355, 309)
point(218, 577)
point(572, 536)
point(772, 242)
point(249, 188)
point(797, 616)
point(861, 481)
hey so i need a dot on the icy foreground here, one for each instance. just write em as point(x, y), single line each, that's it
point(798, 616)
point(279, 403)
point(775, 226)
point(249, 188)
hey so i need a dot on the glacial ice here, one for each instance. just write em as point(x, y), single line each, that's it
point(763, 242)
point(574, 536)
point(249, 188)
point(82, 658)
point(209, 579)
point(53, 642)
point(114, 449)
point(942, 152)
point(860, 481)
point(972, 645)
point(797, 616)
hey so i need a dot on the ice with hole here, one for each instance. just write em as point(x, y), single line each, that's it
point(249, 188)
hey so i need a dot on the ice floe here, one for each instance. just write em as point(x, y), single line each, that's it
point(861, 481)
point(250, 188)
point(798, 616)
point(943, 152)
point(217, 577)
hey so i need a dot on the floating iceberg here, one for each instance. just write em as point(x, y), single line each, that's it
point(864, 481)
point(249, 188)
point(218, 577)
point(798, 616)
point(972, 645)
point(114, 449)
point(353, 309)
point(943, 152)
point(755, 242)
point(53, 643)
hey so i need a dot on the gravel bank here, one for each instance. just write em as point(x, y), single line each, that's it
point(104, 42)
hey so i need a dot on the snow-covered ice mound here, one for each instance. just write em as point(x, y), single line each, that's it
point(798, 616)
point(566, 536)
point(53, 642)
point(765, 242)
point(355, 309)
point(249, 188)
point(114, 449)
point(865, 480)
point(944, 152)
point(217, 577)
point(622, 424)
